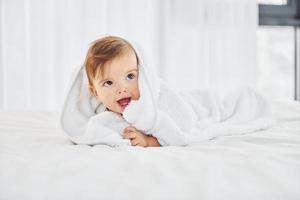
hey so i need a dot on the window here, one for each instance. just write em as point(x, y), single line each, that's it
point(275, 56)
point(278, 48)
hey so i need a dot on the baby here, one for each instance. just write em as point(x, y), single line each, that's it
point(116, 100)
point(112, 71)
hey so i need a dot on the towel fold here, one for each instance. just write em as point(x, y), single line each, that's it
point(174, 118)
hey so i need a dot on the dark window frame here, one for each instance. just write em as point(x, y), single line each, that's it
point(280, 15)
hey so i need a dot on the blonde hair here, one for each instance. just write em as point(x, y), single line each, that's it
point(100, 52)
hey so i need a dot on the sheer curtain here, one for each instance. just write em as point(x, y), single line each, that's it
point(207, 44)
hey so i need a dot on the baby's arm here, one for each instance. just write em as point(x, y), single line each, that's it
point(138, 138)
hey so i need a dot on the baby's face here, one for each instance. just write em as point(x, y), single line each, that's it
point(118, 84)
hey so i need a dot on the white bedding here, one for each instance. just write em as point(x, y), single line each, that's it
point(37, 161)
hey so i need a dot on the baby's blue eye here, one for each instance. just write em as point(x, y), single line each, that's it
point(131, 76)
point(107, 83)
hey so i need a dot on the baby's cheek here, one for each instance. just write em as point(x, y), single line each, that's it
point(137, 93)
point(109, 102)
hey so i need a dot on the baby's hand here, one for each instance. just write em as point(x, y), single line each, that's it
point(136, 137)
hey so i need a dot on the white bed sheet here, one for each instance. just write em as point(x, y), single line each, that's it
point(37, 161)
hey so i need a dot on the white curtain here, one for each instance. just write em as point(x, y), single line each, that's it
point(206, 44)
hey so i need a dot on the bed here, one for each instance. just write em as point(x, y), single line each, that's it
point(38, 161)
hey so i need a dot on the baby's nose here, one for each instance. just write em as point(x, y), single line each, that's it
point(122, 90)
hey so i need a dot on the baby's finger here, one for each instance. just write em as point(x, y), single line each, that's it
point(129, 135)
point(130, 128)
point(134, 142)
point(126, 130)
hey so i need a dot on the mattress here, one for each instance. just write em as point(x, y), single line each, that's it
point(38, 161)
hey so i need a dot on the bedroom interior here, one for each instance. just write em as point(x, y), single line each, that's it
point(213, 45)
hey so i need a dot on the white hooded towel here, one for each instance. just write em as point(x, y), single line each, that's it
point(174, 118)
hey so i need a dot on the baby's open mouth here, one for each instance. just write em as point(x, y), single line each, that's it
point(124, 102)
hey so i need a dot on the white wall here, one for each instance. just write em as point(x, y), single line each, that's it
point(193, 44)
